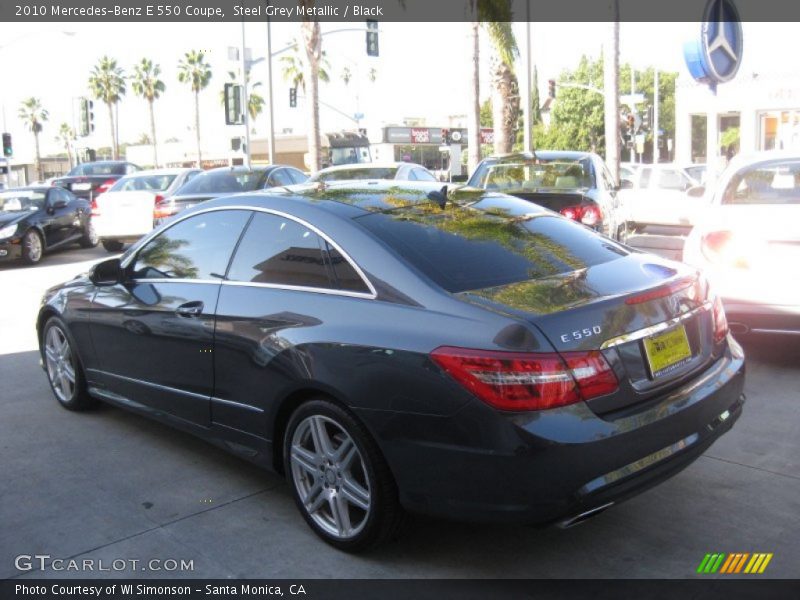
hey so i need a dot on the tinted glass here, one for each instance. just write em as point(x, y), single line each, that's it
point(221, 182)
point(465, 249)
point(523, 174)
point(346, 276)
point(99, 169)
point(357, 173)
point(771, 183)
point(297, 175)
point(423, 175)
point(143, 183)
point(196, 248)
point(280, 251)
point(280, 177)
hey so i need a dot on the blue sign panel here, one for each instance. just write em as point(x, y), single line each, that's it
point(715, 57)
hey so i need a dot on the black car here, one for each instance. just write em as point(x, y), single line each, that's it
point(389, 348)
point(576, 184)
point(89, 180)
point(225, 181)
point(34, 220)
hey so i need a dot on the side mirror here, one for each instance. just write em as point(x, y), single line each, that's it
point(697, 191)
point(625, 184)
point(106, 273)
point(58, 203)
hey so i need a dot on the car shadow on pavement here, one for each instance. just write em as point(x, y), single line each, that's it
point(60, 256)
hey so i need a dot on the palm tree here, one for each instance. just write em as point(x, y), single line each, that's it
point(33, 114)
point(147, 85)
point(194, 70)
point(505, 87)
point(294, 68)
point(474, 107)
point(312, 38)
point(66, 135)
point(107, 83)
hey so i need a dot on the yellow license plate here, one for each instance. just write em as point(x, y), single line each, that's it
point(667, 351)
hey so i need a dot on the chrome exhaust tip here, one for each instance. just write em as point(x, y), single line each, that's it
point(584, 516)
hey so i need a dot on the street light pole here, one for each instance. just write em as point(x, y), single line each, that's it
point(656, 151)
point(269, 94)
point(246, 103)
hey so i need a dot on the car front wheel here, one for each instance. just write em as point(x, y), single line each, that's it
point(112, 245)
point(32, 247)
point(63, 367)
point(90, 238)
point(339, 479)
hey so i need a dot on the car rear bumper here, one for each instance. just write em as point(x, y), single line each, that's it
point(545, 467)
point(757, 318)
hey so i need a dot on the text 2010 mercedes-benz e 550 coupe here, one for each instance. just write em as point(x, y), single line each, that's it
point(392, 348)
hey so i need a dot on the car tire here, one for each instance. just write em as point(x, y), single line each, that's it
point(32, 247)
point(63, 367)
point(113, 245)
point(339, 478)
point(90, 238)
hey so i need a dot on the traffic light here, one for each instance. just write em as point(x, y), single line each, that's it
point(647, 118)
point(551, 88)
point(234, 115)
point(372, 37)
point(292, 97)
point(7, 149)
point(86, 112)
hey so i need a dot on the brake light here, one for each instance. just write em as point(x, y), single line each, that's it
point(162, 209)
point(734, 250)
point(663, 291)
point(527, 381)
point(720, 321)
point(95, 208)
point(588, 214)
point(105, 186)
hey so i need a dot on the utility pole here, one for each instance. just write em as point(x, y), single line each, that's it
point(611, 95)
point(656, 150)
point(246, 103)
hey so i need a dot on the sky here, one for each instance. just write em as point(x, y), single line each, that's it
point(422, 70)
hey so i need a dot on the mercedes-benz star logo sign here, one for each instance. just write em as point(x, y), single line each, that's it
point(722, 40)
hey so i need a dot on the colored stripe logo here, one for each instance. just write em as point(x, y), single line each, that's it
point(736, 562)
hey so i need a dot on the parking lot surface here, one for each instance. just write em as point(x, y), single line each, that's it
point(113, 486)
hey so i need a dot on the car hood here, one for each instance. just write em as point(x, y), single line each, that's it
point(7, 218)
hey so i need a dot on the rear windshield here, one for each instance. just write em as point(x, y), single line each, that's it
point(370, 173)
point(768, 183)
point(144, 183)
point(220, 182)
point(99, 169)
point(535, 174)
point(463, 249)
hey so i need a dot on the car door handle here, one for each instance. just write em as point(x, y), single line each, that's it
point(190, 309)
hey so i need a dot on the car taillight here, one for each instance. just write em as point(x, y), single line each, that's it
point(665, 290)
point(162, 209)
point(736, 250)
point(720, 321)
point(527, 381)
point(95, 208)
point(588, 214)
point(105, 186)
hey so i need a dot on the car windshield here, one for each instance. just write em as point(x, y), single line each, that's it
point(771, 183)
point(222, 182)
point(357, 173)
point(490, 244)
point(552, 174)
point(144, 183)
point(21, 200)
point(98, 169)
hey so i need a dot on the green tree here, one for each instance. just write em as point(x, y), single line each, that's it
point(33, 115)
point(107, 83)
point(294, 66)
point(147, 85)
point(66, 135)
point(196, 72)
point(255, 101)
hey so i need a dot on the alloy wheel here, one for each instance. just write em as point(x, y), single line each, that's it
point(60, 365)
point(33, 245)
point(330, 476)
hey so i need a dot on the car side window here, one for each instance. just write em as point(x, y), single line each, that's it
point(347, 278)
point(130, 168)
point(199, 247)
point(278, 250)
point(297, 175)
point(670, 179)
point(279, 177)
point(423, 175)
point(57, 194)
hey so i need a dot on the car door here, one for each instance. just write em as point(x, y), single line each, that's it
point(282, 279)
point(155, 330)
point(62, 221)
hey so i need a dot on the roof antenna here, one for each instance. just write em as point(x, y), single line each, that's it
point(439, 197)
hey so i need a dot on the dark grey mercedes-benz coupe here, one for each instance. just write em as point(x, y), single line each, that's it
point(396, 348)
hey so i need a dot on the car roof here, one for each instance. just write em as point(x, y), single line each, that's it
point(145, 173)
point(545, 154)
point(32, 188)
point(375, 165)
